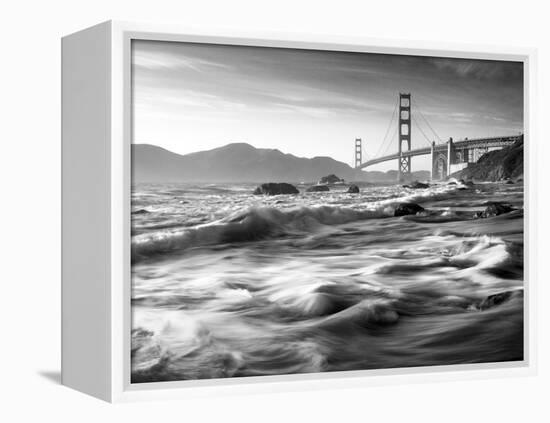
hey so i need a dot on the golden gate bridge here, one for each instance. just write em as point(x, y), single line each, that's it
point(447, 157)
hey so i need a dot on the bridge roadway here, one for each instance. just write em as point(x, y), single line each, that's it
point(457, 145)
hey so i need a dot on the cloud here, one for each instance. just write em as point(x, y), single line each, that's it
point(484, 70)
point(150, 60)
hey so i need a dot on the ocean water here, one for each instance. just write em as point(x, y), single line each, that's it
point(228, 284)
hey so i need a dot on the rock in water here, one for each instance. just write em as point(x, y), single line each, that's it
point(404, 209)
point(353, 189)
point(276, 188)
point(495, 209)
point(330, 179)
point(317, 188)
point(416, 185)
point(467, 183)
point(497, 299)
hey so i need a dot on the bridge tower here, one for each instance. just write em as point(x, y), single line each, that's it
point(358, 153)
point(404, 169)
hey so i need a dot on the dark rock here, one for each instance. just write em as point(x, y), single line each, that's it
point(353, 189)
point(417, 185)
point(495, 209)
point(274, 188)
point(140, 211)
point(497, 299)
point(330, 179)
point(318, 188)
point(467, 183)
point(451, 183)
point(404, 209)
point(509, 182)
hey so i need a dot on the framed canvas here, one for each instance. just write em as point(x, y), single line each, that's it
point(263, 212)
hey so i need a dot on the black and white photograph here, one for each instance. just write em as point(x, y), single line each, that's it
point(271, 212)
point(306, 211)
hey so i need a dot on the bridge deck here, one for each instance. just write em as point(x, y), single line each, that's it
point(468, 143)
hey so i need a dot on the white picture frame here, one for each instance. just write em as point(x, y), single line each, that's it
point(96, 136)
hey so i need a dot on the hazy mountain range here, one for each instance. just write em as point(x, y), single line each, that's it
point(241, 162)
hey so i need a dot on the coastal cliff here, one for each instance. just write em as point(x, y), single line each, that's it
point(496, 165)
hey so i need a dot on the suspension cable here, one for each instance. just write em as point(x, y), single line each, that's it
point(387, 129)
point(364, 153)
point(390, 141)
point(423, 133)
point(426, 120)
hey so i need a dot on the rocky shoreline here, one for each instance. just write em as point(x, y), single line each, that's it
point(498, 165)
point(492, 208)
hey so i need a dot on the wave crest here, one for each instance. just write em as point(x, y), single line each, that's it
point(250, 225)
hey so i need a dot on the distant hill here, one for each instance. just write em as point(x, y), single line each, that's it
point(241, 162)
point(496, 165)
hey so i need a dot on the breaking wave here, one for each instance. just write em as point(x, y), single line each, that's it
point(251, 225)
point(257, 223)
point(227, 284)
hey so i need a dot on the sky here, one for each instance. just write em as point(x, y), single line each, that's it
point(190, 97)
